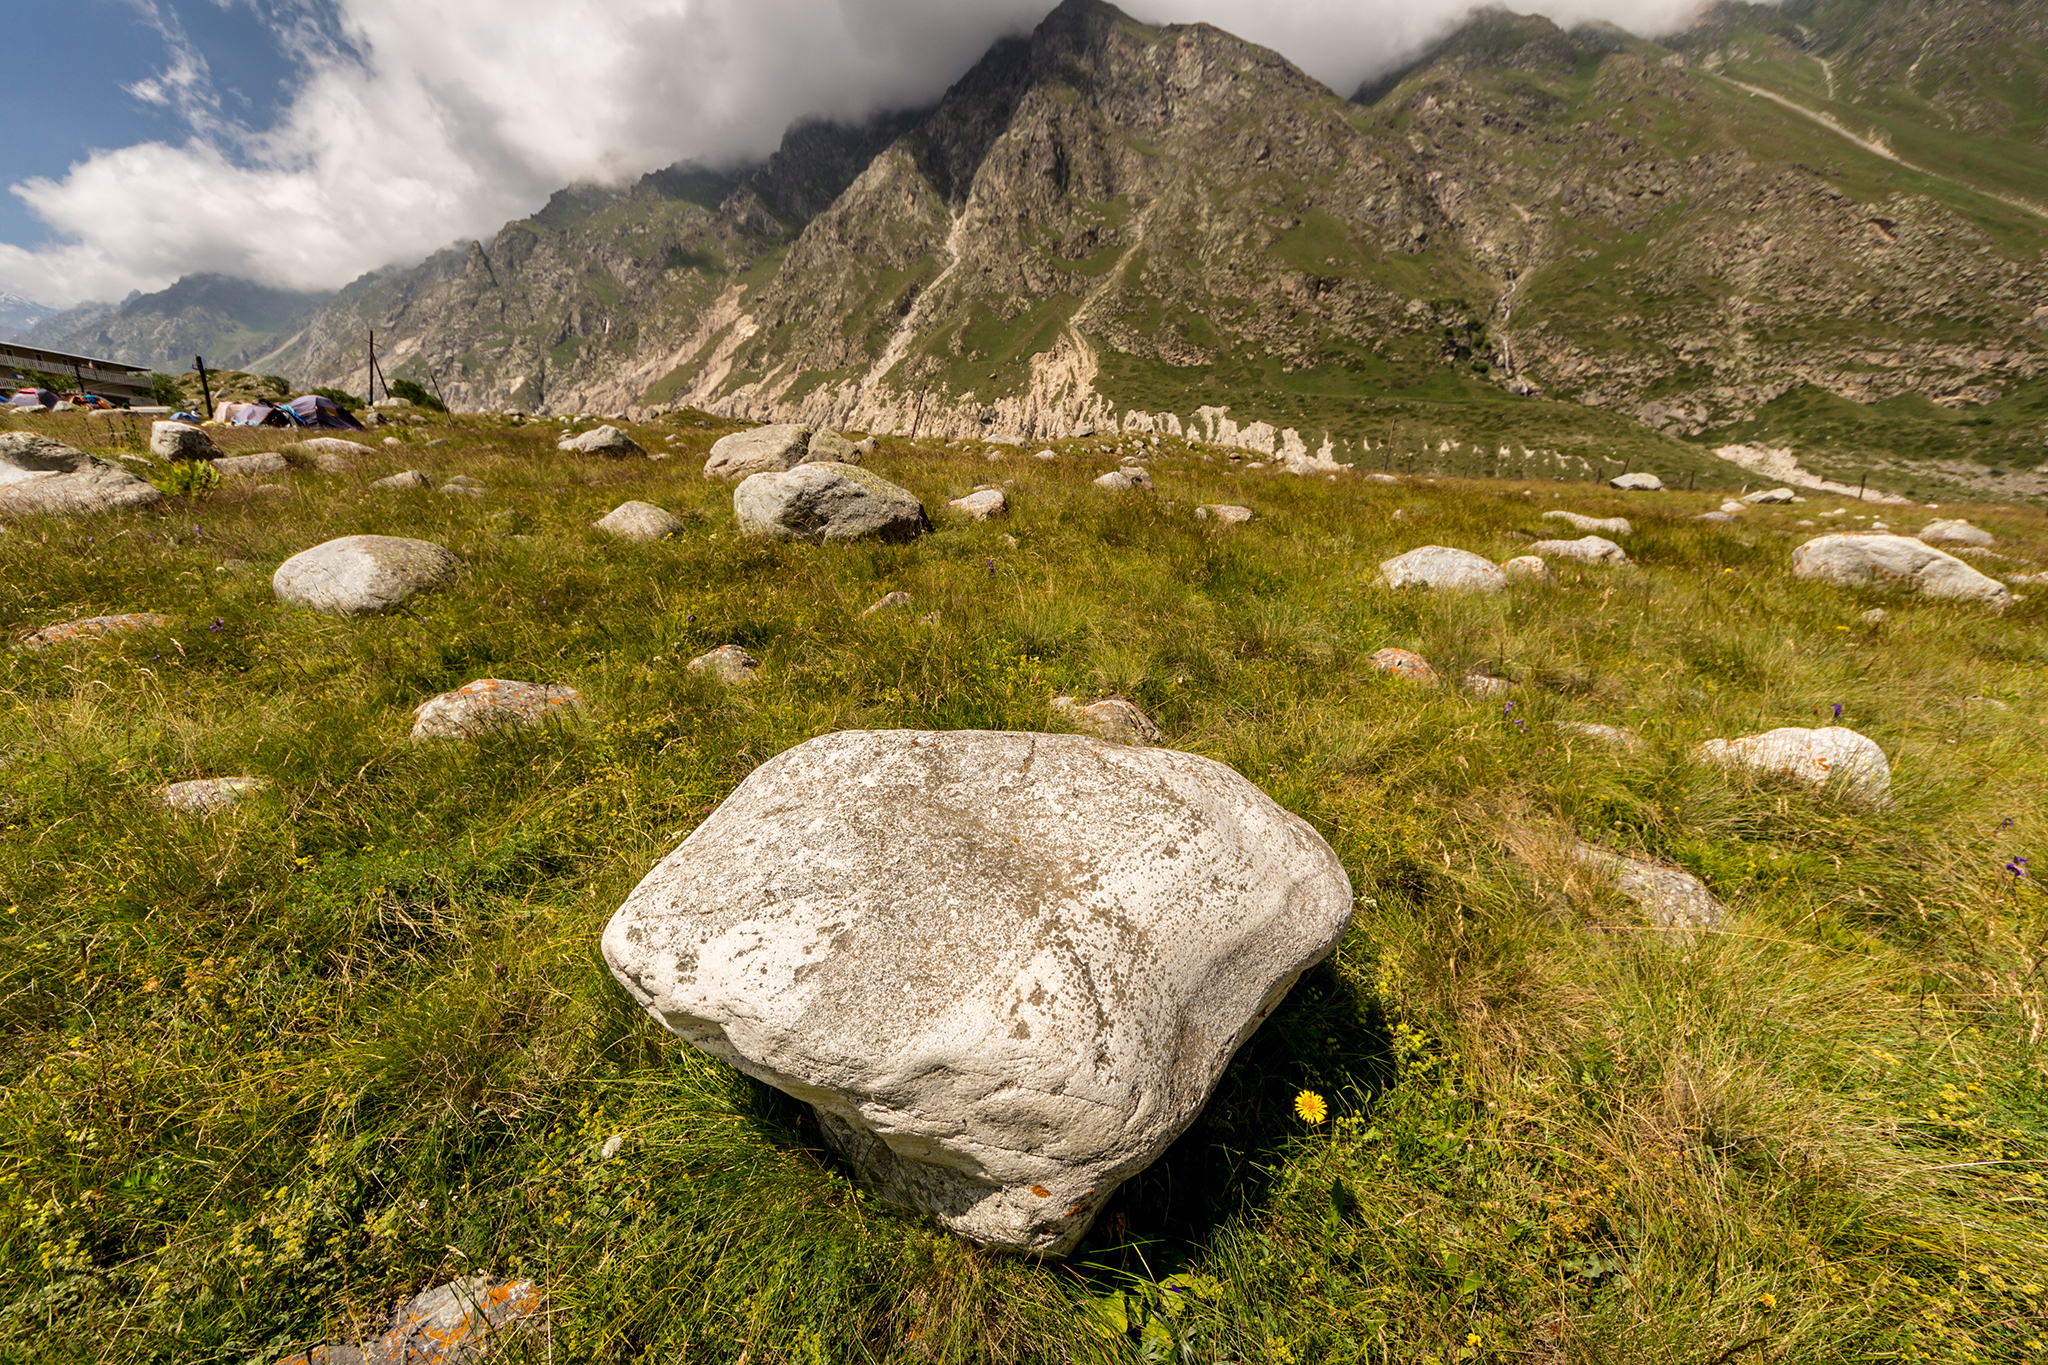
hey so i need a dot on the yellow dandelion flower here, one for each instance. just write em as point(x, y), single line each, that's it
point(1309, 1107)
point(1769, 1300)
point(1472, 1339)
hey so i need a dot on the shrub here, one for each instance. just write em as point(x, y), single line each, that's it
point(165, 390)
point(186, 478)
point(412, 392)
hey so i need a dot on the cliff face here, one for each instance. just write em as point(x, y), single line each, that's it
point(229, 321)
point(1111, 223)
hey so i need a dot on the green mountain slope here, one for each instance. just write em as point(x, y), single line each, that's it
point(229, 321)
point(1531, 238)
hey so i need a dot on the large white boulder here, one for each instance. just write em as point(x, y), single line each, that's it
point(1440, 566)
point(1858, 559)
point(639, 521)
point(819, 502)
point(1637, 483)
point(362, 575)
point(1611, 526)
point(1586, 549)
point(1769, 496)
point(41, 477)
point(1956, 532)
point(764, 450)
point(1812, 756)
point(1006, 970)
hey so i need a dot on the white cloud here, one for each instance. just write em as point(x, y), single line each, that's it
point(420, 122)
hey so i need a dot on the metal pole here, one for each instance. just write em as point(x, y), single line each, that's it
point(205, 387)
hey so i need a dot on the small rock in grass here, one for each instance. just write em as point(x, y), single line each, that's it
point(1224, 514)
point(1586, 550)
point(981, 504)
point(1441, 567)
point(1612, 736)
point(250, 466)
point(1875, 616)
point(490, 704)
point(94, 628)
point(1113, 718)
point(1046, 455)
point(1954, 533)
point(362, 575)
point(1123, 480)
point(1006, 970)
point(274, 490)
point(1613, 526)
point(1857, 559)
point(1722, 518)
point(728, 664)
point(181, 441)
point(639, 521)
point(1382, 478)
point(1770, 495)
point(1672, 897)
point(393, 441)
point(1486, 685)
point(1811, 756)
point(464, 486)
point(763, 450)
point(867, 446)
point(1637, 483)
point(605, 440)
point(411, 478)
point(1734, 507)
point(208, 794)
point(827, 502)
point(320, 449)
point(1530, 567)
point(461, 1323)
point(890, 602)
point(1404, 664)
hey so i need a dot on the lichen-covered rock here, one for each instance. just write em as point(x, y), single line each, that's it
point(605, 440)
point(488, 704)
point(1443, 568)
point(362, 575)
point(1125, 479)
point(206, 795)
point(411, 478)
point(1670, 897)
point(463, 486)
point(41, 477)
point(329, 454)
point(1610, 526)
point(639, 521)
point(1861, 559)
point(728, 664)
point(764, 450)
point(181, 441)
point(1814, 757)
point(1224, 514)
point(829, 447)
point(251, 466)
point(1586, 550)
point(1113, 718)
point(981, 504)
point(821, 502)
point(462, 1323)
point(94, 628)
point(1005, 970)
point(1404, 664)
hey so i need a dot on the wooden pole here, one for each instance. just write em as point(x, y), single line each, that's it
point(432, 379)
point(1861, 486)
point(370, 384)
point(205, 388)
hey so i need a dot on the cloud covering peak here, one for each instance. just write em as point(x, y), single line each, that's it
point(414, 123)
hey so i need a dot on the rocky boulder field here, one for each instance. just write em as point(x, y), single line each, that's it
point(663, 890)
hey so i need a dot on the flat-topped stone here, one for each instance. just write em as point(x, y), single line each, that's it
point(1864, 559)
point(1442, 568)
point(1814, 757)
point(41, 477)
point(95, 628)
point(764, 450)
point(362, 575)
point(639, 521)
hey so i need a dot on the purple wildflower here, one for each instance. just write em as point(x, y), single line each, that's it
point(1838, 710)
point(2017, 867)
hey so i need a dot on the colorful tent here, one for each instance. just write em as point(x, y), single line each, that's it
point(312, 410)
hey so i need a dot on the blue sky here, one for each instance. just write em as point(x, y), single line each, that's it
point(70, 97)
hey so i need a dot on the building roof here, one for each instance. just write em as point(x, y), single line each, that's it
point(14, 352)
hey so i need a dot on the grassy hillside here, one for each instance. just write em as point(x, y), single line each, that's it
point(263, 1074)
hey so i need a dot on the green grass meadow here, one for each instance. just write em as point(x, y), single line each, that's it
point(266, 1073)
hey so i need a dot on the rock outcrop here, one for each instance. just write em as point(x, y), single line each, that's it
point(1586, 550)
point(94, 628)
point(41, 477)
point(1005, 970)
